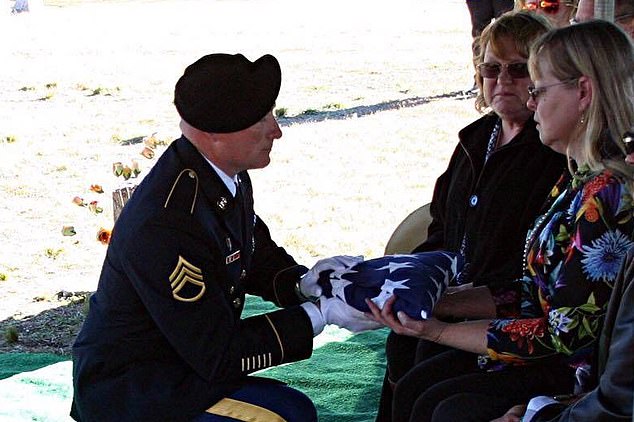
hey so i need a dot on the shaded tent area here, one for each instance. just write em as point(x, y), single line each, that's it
point(343, 376)
point(38, 386)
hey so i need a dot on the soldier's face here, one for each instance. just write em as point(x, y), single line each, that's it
point(249, 148)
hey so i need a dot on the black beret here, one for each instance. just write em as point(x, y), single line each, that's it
point(222, 93)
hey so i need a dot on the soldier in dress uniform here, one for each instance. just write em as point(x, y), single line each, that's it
point(164, 339)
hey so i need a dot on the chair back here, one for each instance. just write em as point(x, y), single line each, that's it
point(410, 233)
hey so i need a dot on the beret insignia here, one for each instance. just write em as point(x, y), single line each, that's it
point(187, 281)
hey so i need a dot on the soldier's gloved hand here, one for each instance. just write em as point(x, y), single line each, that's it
point(308, 287)
point(336, 311)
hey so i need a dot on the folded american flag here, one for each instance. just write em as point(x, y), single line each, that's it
point(417, 280)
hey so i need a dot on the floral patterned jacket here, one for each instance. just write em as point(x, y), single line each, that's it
point(572, 257)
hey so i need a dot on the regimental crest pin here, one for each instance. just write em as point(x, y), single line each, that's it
point(187, 281)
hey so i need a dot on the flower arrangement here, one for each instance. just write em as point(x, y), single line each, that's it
point(119, 169)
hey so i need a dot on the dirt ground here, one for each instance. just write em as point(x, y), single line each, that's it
point(370, 100)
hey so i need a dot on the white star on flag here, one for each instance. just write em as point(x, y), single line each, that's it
point(393, 266)
point(387, 290)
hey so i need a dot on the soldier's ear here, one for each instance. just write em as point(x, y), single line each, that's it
point(210, 138)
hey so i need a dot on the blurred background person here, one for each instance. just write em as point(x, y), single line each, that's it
point(623, 14)
point(558, 12)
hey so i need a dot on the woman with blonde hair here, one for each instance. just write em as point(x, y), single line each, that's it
point(534, 333)
point(583, 59)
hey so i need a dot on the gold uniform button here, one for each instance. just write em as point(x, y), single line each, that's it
point(232, 290)
point(237, 302)
point(243, 275)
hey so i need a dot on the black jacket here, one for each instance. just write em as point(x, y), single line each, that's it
point(510, 191)
point(164, 339)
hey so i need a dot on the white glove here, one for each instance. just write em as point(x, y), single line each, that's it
point(336, 311)
point(308, 286)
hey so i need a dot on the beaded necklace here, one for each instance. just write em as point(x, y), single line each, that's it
point(579, 178)
point(537, 228)
point(493, 140)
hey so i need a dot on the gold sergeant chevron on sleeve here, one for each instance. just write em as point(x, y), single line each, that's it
point(184, 273)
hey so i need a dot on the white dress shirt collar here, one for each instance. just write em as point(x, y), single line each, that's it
point(230, 182)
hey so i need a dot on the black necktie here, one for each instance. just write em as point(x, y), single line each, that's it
point(240, 212)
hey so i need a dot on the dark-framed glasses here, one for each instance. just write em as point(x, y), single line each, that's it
point(492, 70)
point(547, 6)
point(535, 92)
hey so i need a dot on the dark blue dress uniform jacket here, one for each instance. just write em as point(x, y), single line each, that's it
point(163, 339)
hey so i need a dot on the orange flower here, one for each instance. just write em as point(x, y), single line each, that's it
point(104, 236)
point(595, 185)
point(150, 141)
point(147, 153)
point(525, 329)
point(592, 214)
point(127, 173)
point(96, 188)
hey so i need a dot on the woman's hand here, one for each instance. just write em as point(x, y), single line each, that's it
point(470, 336)
point(430, 329)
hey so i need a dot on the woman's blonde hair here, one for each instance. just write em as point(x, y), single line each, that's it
point(522, 28)
point(603, 53)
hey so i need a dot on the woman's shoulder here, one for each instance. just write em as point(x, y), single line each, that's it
point(483, 125)
point(605, 192)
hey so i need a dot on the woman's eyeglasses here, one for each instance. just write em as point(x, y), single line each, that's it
point(493, 70)
point(547, 6)
point(534, 92)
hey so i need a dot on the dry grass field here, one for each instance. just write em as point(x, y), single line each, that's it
point(360, 150)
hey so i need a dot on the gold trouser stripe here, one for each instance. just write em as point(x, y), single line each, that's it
point(244, 411)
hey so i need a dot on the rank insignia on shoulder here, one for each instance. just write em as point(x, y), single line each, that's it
point(187, 281)
point(233, 257)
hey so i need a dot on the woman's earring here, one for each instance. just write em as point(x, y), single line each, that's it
point(628, 141)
